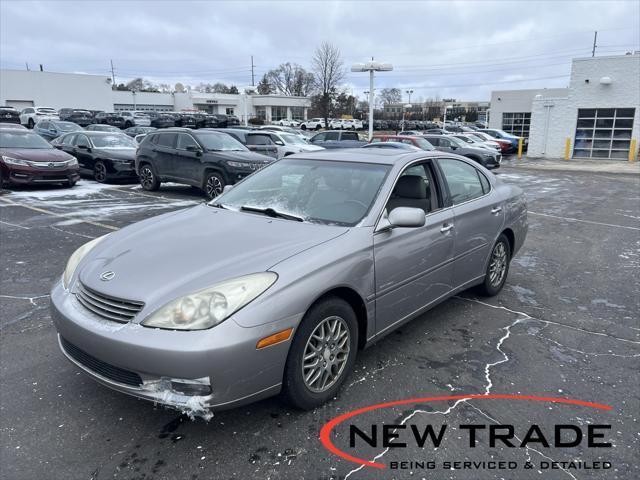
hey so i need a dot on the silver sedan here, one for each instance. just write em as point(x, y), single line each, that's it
point(276, 285)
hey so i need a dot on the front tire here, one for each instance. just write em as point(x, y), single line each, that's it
point(31, 123)
point(322, 354)
point(497, 268)
point(100, 172)
point(148, 179)
point(213, 185)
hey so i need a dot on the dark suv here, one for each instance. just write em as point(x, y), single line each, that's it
point(9, 115)
point(106, 118)
point(80, 117)
point(202, 158)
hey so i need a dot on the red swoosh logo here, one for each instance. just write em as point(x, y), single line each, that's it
point(325, 433)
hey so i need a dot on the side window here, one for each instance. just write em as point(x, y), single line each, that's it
point(275, 139)
point(166, 140)
point(68, 139)
point(43, 124)
point(486, 186)
point(462, 179)
point(415, 188)
point(435, 141)
point(82, 140)
point(444, 142)
point(350, 136)
point(332, 136)
point(321, 137)
point(185, 141)
point(258, 140)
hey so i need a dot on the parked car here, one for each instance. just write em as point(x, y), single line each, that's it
point(102, 128)
point(313, 124)
point(287, 123)
point(476, 142)
point(268, 148)
point(9, 115)
point(12, 126)
point(417, 141)
point(337, 139)
point(505, 145)
point(50, 129)
point(268, 288)
point(110, 118)
point(104, 156)
point(352, 124)
point(287, 143)
point(185, 120)
point(32, 115)
point(447, 143)
point(202, 158)
point(78, 116)
point(437, 131)
point(392, 145)
point(232, 121)
point(27, 158)
point(134, 131)
point(502, 135)
point(135, 119)
point(161, 120)
point(411, 133)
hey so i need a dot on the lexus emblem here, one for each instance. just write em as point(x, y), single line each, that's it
point(108, 275)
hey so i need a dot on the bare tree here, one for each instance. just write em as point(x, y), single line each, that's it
point(291, 79)
point(391, 95)
point(329, 71)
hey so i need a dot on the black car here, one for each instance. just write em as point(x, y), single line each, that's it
point(102, 155)
point(106, 118)
point(185, 120)
point(161, 120)
point(244, 136)
point(80, 117)
point(134, 131)
point(202, 158)
point(9, 115)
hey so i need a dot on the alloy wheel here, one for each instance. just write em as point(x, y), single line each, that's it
point(146, 177)
point(326, 354)
point(498, 265)
point(214, 186)
point(100, 172)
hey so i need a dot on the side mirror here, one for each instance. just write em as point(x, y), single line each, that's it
point(403, 217)
point(84, 147)
point(454, 147)
point(193, 148)
point(227, 188)
point(278, 142)
point(59, 147)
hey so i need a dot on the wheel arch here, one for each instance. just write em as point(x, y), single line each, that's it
point(507, 232)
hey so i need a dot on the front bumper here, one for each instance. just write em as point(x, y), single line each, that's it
point(27, 175)
point(223, 358)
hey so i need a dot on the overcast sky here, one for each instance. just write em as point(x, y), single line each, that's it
point(447, 49)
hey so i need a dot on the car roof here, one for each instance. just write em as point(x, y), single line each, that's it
point(367, 155)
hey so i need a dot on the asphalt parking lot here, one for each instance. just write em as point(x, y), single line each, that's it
point(566, 325)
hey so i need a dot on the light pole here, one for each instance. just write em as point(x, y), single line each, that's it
point(409, 92)
point(371, 67)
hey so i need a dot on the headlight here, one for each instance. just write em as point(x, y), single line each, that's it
point(75, 258)
point(231, 163)
point(72, 163)
point(14, 161)
point(209, 307)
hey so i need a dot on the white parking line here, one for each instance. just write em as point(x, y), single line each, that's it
point(570, 219)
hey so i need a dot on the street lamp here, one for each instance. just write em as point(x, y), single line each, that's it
point(409, 92)
point(371, 67)
point(444, 122)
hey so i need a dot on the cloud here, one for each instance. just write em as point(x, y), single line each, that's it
point(451, 49)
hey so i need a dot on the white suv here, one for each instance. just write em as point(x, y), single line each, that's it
point(135, 119)
point(32, 115)
point(313, 124)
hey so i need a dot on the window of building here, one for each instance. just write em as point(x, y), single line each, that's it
point(229, 111)
point(278, 113)
point(261, 113)
point(517, 123)
point(603, 133)
point(297, 113)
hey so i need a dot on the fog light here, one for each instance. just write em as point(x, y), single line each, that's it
point(191, 386)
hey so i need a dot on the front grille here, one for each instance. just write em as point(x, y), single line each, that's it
point(111, 308)
point(104, 369)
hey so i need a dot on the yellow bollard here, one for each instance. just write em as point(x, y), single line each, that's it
point(632, 150)
point(520, 142)
point(567, 148)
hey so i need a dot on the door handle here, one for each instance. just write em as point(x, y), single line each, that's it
point(495, 210)
point(446, 227)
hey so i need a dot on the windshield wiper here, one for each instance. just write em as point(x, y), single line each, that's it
point(218, 205)
point(270, 212)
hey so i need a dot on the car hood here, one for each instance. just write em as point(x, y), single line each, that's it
point(310, 148)
point(117, 153)
point(240, 155)
point(175, 254)
point(37, 154)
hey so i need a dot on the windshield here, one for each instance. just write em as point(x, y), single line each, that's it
point(113, 141)
point(220, 142)
point(293, 139)
point(67, 126)
point(16, 139)
point(424, 144)
point(332, 193)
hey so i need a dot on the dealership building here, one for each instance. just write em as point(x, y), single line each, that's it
point(23, 88)
point(599, 112)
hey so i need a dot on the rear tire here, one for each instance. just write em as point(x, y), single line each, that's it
point(328, 338)
point(303, 127)
point(148, 179)
point(31, 123)
point(497, 268)
point(213, 185)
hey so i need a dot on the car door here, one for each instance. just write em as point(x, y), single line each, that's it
point(331, 140)
point(187, 161)
point(478, 217)
point(82, 151)
point(164, 151)
point(413, 265)
point(318, 139)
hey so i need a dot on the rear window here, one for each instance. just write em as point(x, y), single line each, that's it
point(350, 136)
